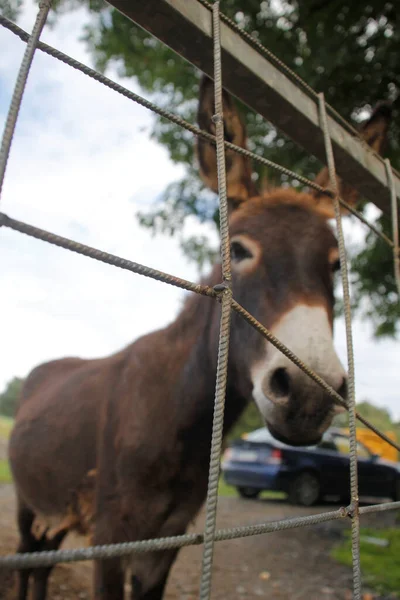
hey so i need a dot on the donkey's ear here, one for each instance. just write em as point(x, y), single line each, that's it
point(374, 132)
point(240, 186)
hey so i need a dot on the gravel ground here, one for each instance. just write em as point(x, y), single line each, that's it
point(286, 565)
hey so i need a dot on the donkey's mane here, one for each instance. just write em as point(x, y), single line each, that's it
point(284, 196)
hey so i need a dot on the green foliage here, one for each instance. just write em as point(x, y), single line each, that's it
point(9, 397)
point(5, 472)
point(379, 565)
point(10, 8)
point(380, 417)
point(348, 50)
point(374, 287)
point(6, 424)
point(250, 420)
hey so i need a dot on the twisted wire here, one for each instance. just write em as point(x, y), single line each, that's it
point(355, 524)
point(20, 84)
point(361, 218)
point(225, 324)
point(105, 257)
point(283, 68)
point(46, 559)
point(75, 64)
point(216, 442)
point(57, 54)
point(218, 119)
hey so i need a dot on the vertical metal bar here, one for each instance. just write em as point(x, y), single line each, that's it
point(395, 224)
point(224, 334)
point(15, 105)
point(354, 507)
point(218, 119)
point(214, 470)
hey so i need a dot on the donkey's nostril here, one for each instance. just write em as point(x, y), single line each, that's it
point(342, 391)
point(280, 383)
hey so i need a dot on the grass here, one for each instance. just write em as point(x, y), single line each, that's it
point(5, 427)
point(379, 565)
point(5, 473)
point(228, 491)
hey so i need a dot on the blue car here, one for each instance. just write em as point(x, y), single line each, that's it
point(259, 462)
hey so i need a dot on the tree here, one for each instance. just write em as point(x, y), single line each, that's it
point(10, 8)
point(9, 397)
point(348, 50)
point(380, 417)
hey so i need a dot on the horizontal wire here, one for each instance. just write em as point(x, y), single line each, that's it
point(45, 559)
point(19, 88)
point(105, 257)
point(204, 290)
point(284, 69)
point(255, 43)
point(24, 36)
point(68, 60)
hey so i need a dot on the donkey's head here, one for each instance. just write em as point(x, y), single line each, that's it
point(284, 255)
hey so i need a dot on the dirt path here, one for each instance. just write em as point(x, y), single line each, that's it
point(287, 565)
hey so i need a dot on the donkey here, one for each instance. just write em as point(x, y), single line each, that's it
point(118, 448)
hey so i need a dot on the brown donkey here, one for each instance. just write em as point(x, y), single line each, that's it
point(118, 448)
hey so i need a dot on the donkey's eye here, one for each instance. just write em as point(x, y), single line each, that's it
point(335, 266)
point(239, 252)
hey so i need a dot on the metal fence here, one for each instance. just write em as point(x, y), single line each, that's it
point(327, 121)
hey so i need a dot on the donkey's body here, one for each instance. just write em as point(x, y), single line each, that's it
point(118, 448)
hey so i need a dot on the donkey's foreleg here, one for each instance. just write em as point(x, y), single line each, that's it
point(109, 579)
point(27, 543)
point(150, 573)
point(41, 574)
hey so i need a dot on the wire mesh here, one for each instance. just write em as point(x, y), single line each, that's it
point(220, 292)
point(16, 100)
point(99, 77)
point(225, 325)
point(355, 523)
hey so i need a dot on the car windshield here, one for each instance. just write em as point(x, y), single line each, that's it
point(264, 436)
point(260, 435)
point(332, 441)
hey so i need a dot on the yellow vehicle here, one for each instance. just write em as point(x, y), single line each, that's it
point(375, 444)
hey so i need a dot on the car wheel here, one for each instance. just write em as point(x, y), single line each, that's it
point(305, 490)
point(248, 492)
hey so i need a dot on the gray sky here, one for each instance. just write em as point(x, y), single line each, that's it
point(82, 165)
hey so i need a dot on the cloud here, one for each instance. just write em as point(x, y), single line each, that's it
point(81, 165)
